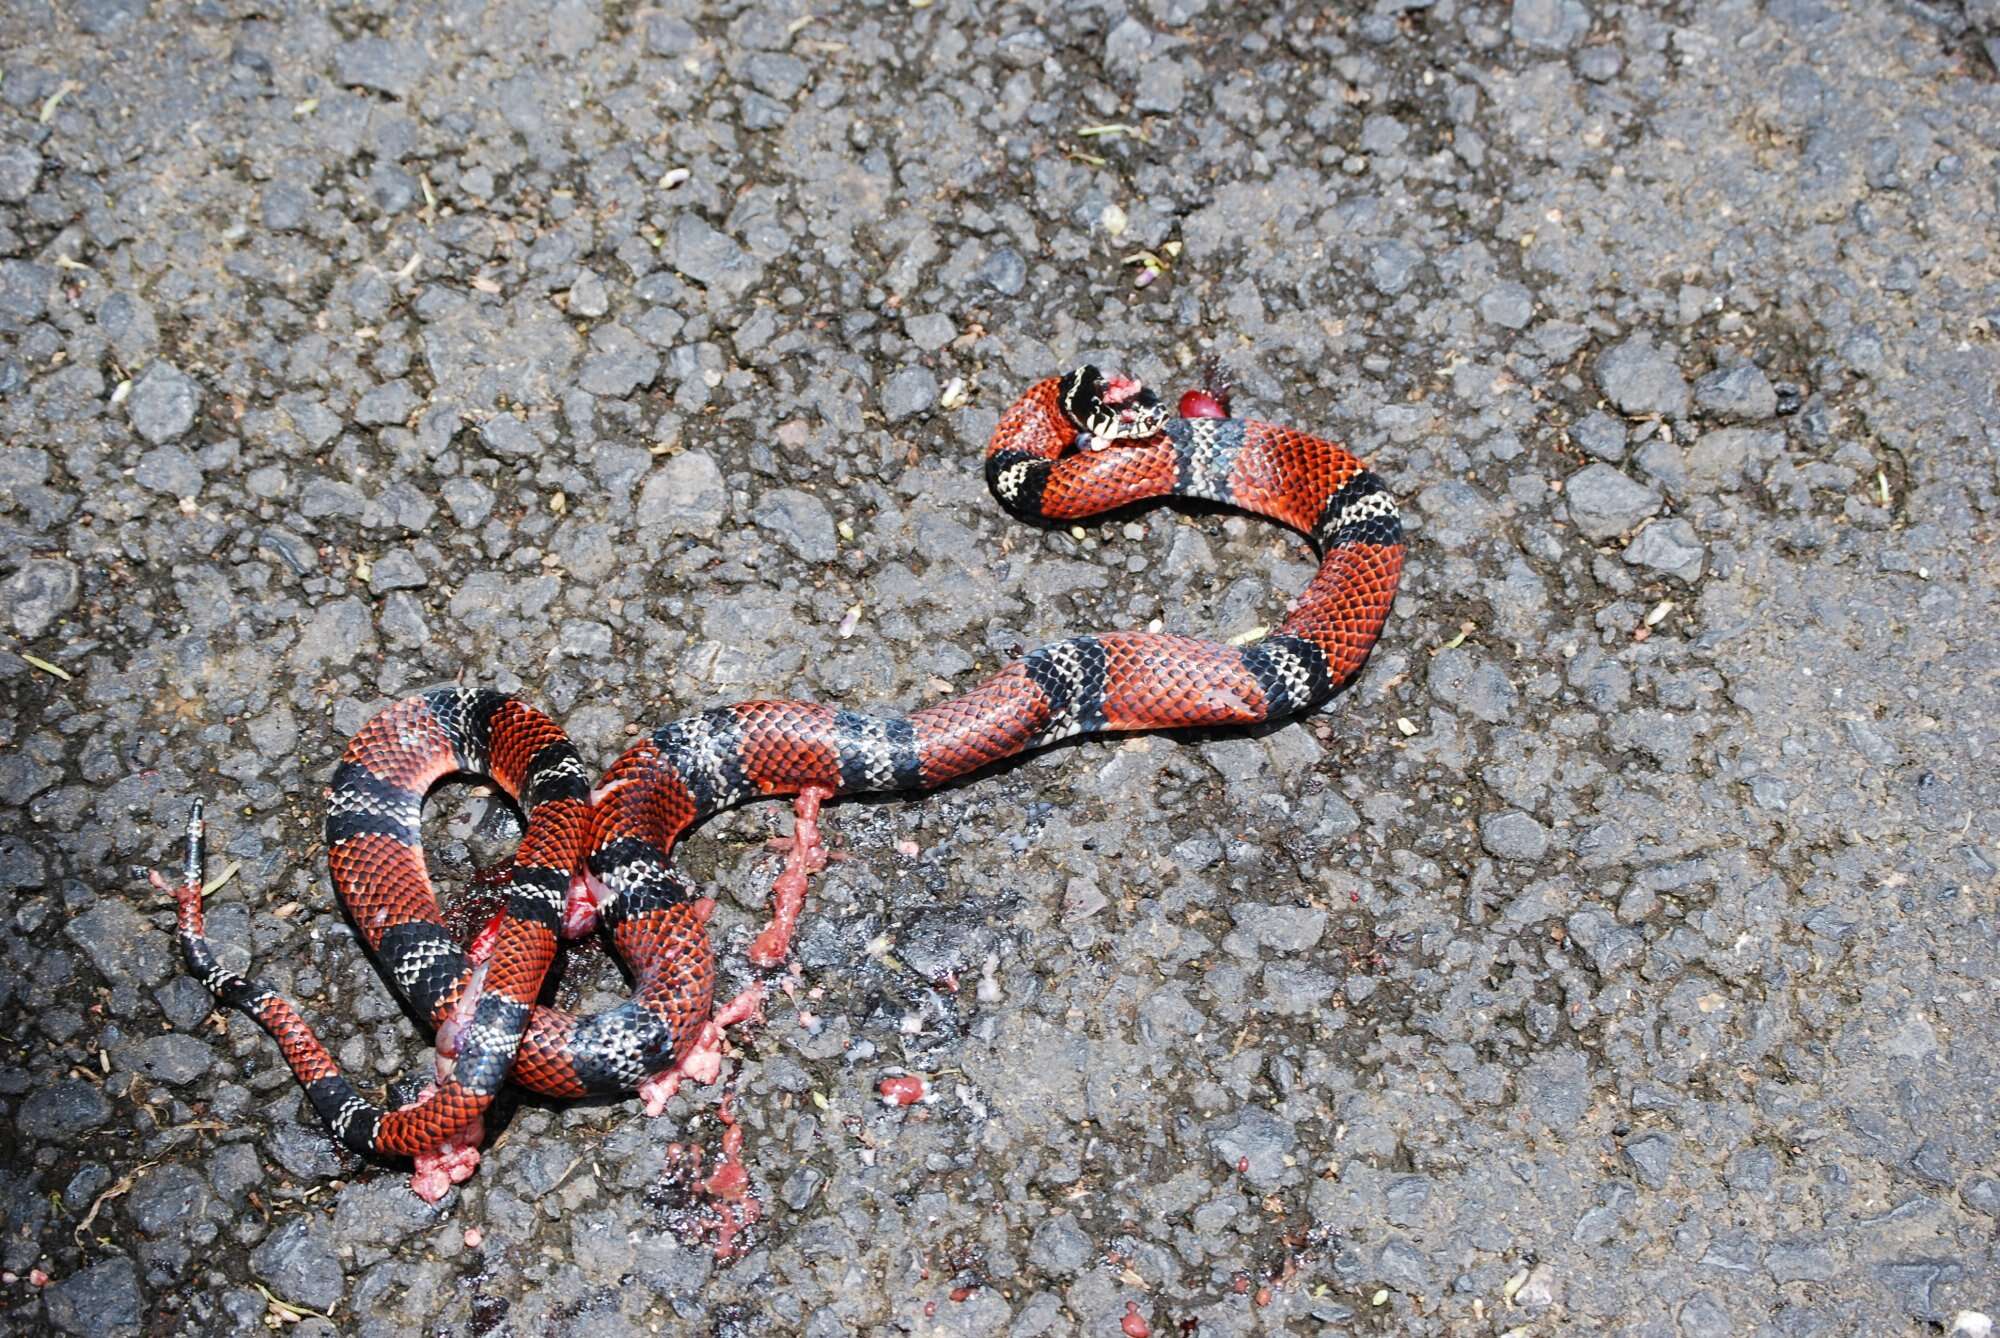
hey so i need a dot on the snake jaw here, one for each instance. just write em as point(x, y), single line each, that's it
point(1113, 409)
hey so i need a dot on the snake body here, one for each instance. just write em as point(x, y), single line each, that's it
point(1070, 447)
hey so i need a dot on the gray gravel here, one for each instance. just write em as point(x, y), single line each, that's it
point(1617, 956)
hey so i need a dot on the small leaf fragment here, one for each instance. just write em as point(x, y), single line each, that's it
point(47, 668)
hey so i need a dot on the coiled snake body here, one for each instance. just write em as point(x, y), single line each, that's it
point(1070, 447)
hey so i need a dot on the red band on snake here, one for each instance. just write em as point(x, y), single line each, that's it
point(1071, 447)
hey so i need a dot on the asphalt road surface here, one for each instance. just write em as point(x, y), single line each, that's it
point(1617, 955)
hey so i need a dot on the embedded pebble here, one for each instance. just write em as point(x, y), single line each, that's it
point(1600, 435)
point(801, 522)
point(909, 392)
point(63, 1111)
point(1508, 305)
point(377, 63)
point(1741, 393)
point(104, 1299)
point(42, 591)
point(684, 495)
point(1605, 503)
point(20, 169)
point(162, 407)
point(1641, 378)
point(1514, 836)
point(1004, 271)
point(1668, 546)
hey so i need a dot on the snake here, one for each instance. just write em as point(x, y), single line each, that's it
point(598, 856)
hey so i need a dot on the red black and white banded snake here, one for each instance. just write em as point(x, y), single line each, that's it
point(1072, 446)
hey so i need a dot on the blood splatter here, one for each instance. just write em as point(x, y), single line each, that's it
point(904, 1091)
point(719, 1205)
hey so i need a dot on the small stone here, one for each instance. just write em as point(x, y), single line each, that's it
point(1549, 25)
point(24, 294)
point(776, 74)
point(471, 502)
point(121, 943)
point(391, 189)
point(1404, 1267)
point(1004, 271)
point(1514, 835)
point(167, 1198)
point(1257, 1141)
point(102, 18)
point(397, 569)
point(1604, 503)
point(1668, 546)
point(21, 865)
point(909, 392)
point(1600, 435)
point(669, 35)
point(1464, 682)
point(800, 1186)
point(373, 1215)
point(1392, 265)
point(184, 1001)
point(43, 590)
point(1539, 1291)
point(20, 170)
point(1198, 852)
point(304, 1154)
point(103, 1299)
point(387, 405)
point(378, 63)
point(1982, 1192)
point(1600, 63)
point(684, 496)
point(1082, 899)
point(1287, 929)
point(505, 434)
point(162, 405)
point(171, 470)
point(931, 332)
point(1725, 457)
point(1557, 1088)
point(1742, 393)
point(1642, 379)
point(337, 632)
point(174, 1058)
point(285, 206)
point(1060, 1246)
point(1751, 1170)
point(801, 522)
point(584, 639)
point(1406, 1199)
point(63, 1111)
point(712, 259)
point(1508, 304)
point(1796, 1261)
point(296, 1264)
point(587, 297)
point(1653, 1157)
point(1702, 1316)
point(1863, 351)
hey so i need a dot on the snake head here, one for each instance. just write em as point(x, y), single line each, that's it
point(1114, 408)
